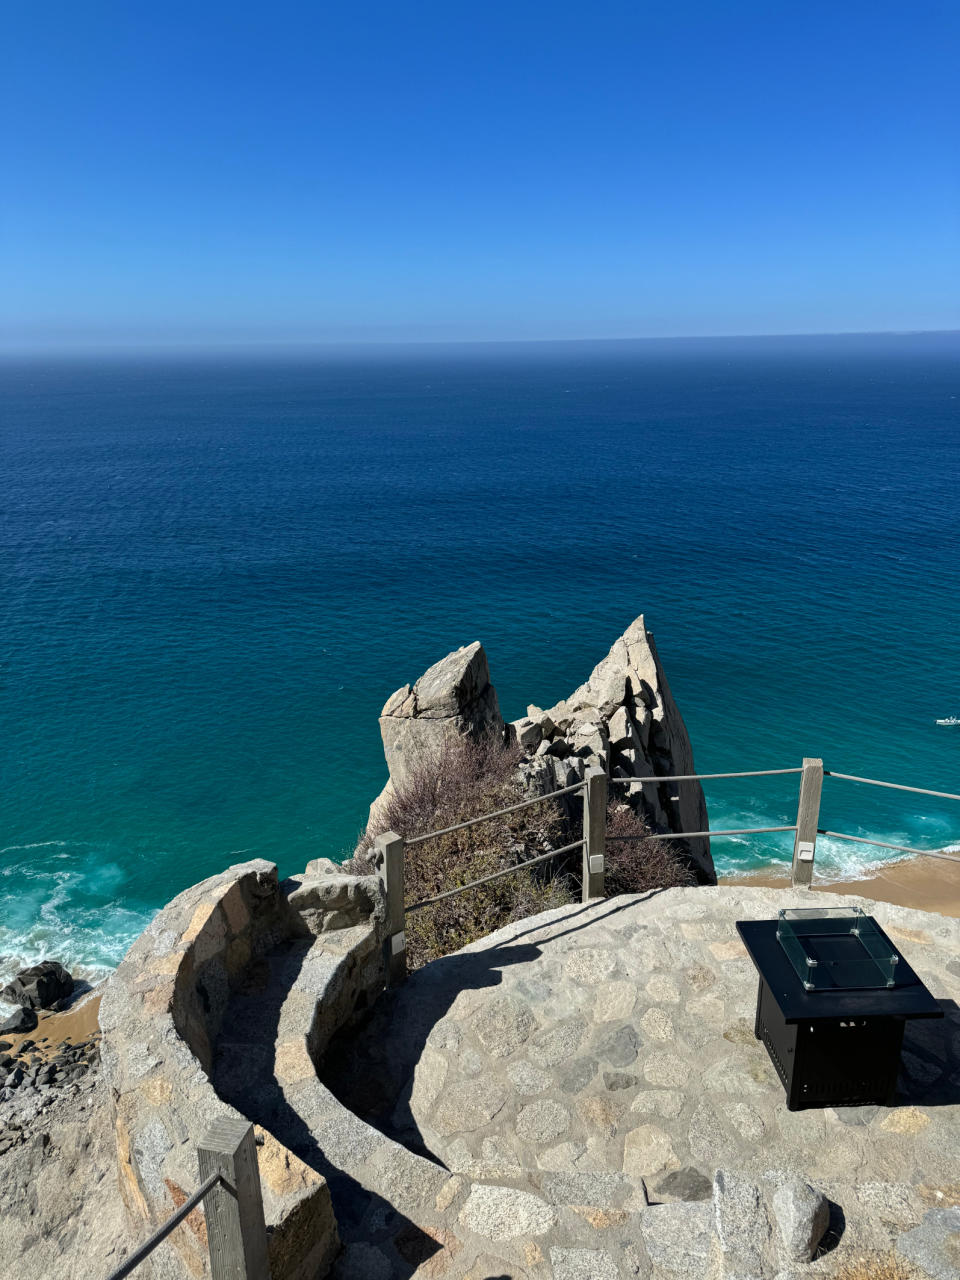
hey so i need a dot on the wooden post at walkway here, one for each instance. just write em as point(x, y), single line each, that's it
point(808, 820)
point(594, 832)
point(236, 1231)
point(389, 862)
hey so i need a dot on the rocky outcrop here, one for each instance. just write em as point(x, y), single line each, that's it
point(623, 718)
point(453, 698)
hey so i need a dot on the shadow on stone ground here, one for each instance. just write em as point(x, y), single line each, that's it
point(834, 1232)
point(243, 1077)
point(930, 1070)
point(366, 1067)
point(369, 1065)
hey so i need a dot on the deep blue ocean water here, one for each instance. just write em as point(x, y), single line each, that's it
point(216, 569)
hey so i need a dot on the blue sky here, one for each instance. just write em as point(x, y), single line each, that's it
point(215, 172)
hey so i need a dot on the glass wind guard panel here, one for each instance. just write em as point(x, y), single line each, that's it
point(836, 948)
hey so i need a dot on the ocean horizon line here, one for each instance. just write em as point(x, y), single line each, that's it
point(201, 346)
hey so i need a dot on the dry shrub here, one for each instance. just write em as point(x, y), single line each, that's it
point(464, 779)
point(643, 862)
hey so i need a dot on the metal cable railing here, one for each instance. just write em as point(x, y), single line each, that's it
point(688, 777)
point(595, 836)
point(578, 786)
point(161, 1233)
point(497, 813)
point(688, 835)
point(497, 875)
point(895, 786)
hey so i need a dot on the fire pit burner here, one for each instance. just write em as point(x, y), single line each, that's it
point(833, 999)
point(836, 949)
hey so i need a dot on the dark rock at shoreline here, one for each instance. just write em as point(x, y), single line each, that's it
point(22, 1020)
point(41, 986)
point(29, 1083)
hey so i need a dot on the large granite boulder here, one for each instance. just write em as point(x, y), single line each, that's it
point(39, 987)
point(453, 698)
point(325, 899)
point(20, 1021)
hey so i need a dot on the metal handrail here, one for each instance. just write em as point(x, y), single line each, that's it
point(171, 1223)
point(596, 838)
point(883, 844)
point(687, 777)
point(669, 835)
point(683, 835)
point(497, 875)
point(578, 786)
point(896, 786)
point(497, 813)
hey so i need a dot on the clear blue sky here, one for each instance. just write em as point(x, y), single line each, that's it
point(279, 171)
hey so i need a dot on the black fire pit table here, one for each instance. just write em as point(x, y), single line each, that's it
point(834, 997)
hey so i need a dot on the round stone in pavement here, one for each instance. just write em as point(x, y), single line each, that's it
point(503, 1213)
point(583, 1264)
point(935, 1245)
point(684, 1184)
point(557, 1044)
point(590, 965)
point(618, 1046)
point(503, 1025)
point(578, 1075)
point(541, 1122)
point(526, 1078)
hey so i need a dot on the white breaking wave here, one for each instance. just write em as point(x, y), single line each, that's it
point(836, 860)
point(72, 911)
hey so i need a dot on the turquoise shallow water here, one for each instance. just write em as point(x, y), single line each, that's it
point(216, 570)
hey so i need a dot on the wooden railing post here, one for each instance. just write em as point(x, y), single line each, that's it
point(594, 832)
point(808, 820)
point(236, 1231)
point(389, 862)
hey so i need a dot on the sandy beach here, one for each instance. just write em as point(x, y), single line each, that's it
point(929, 884)
point(75, 1026)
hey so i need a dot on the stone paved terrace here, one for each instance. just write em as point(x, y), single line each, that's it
point(589, 1071)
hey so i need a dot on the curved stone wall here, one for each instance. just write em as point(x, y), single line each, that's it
point(171, 1060)
point(161, 1016)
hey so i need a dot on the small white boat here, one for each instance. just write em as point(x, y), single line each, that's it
point(950, 720)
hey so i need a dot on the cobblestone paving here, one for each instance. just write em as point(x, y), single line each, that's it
point(584, 1063)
